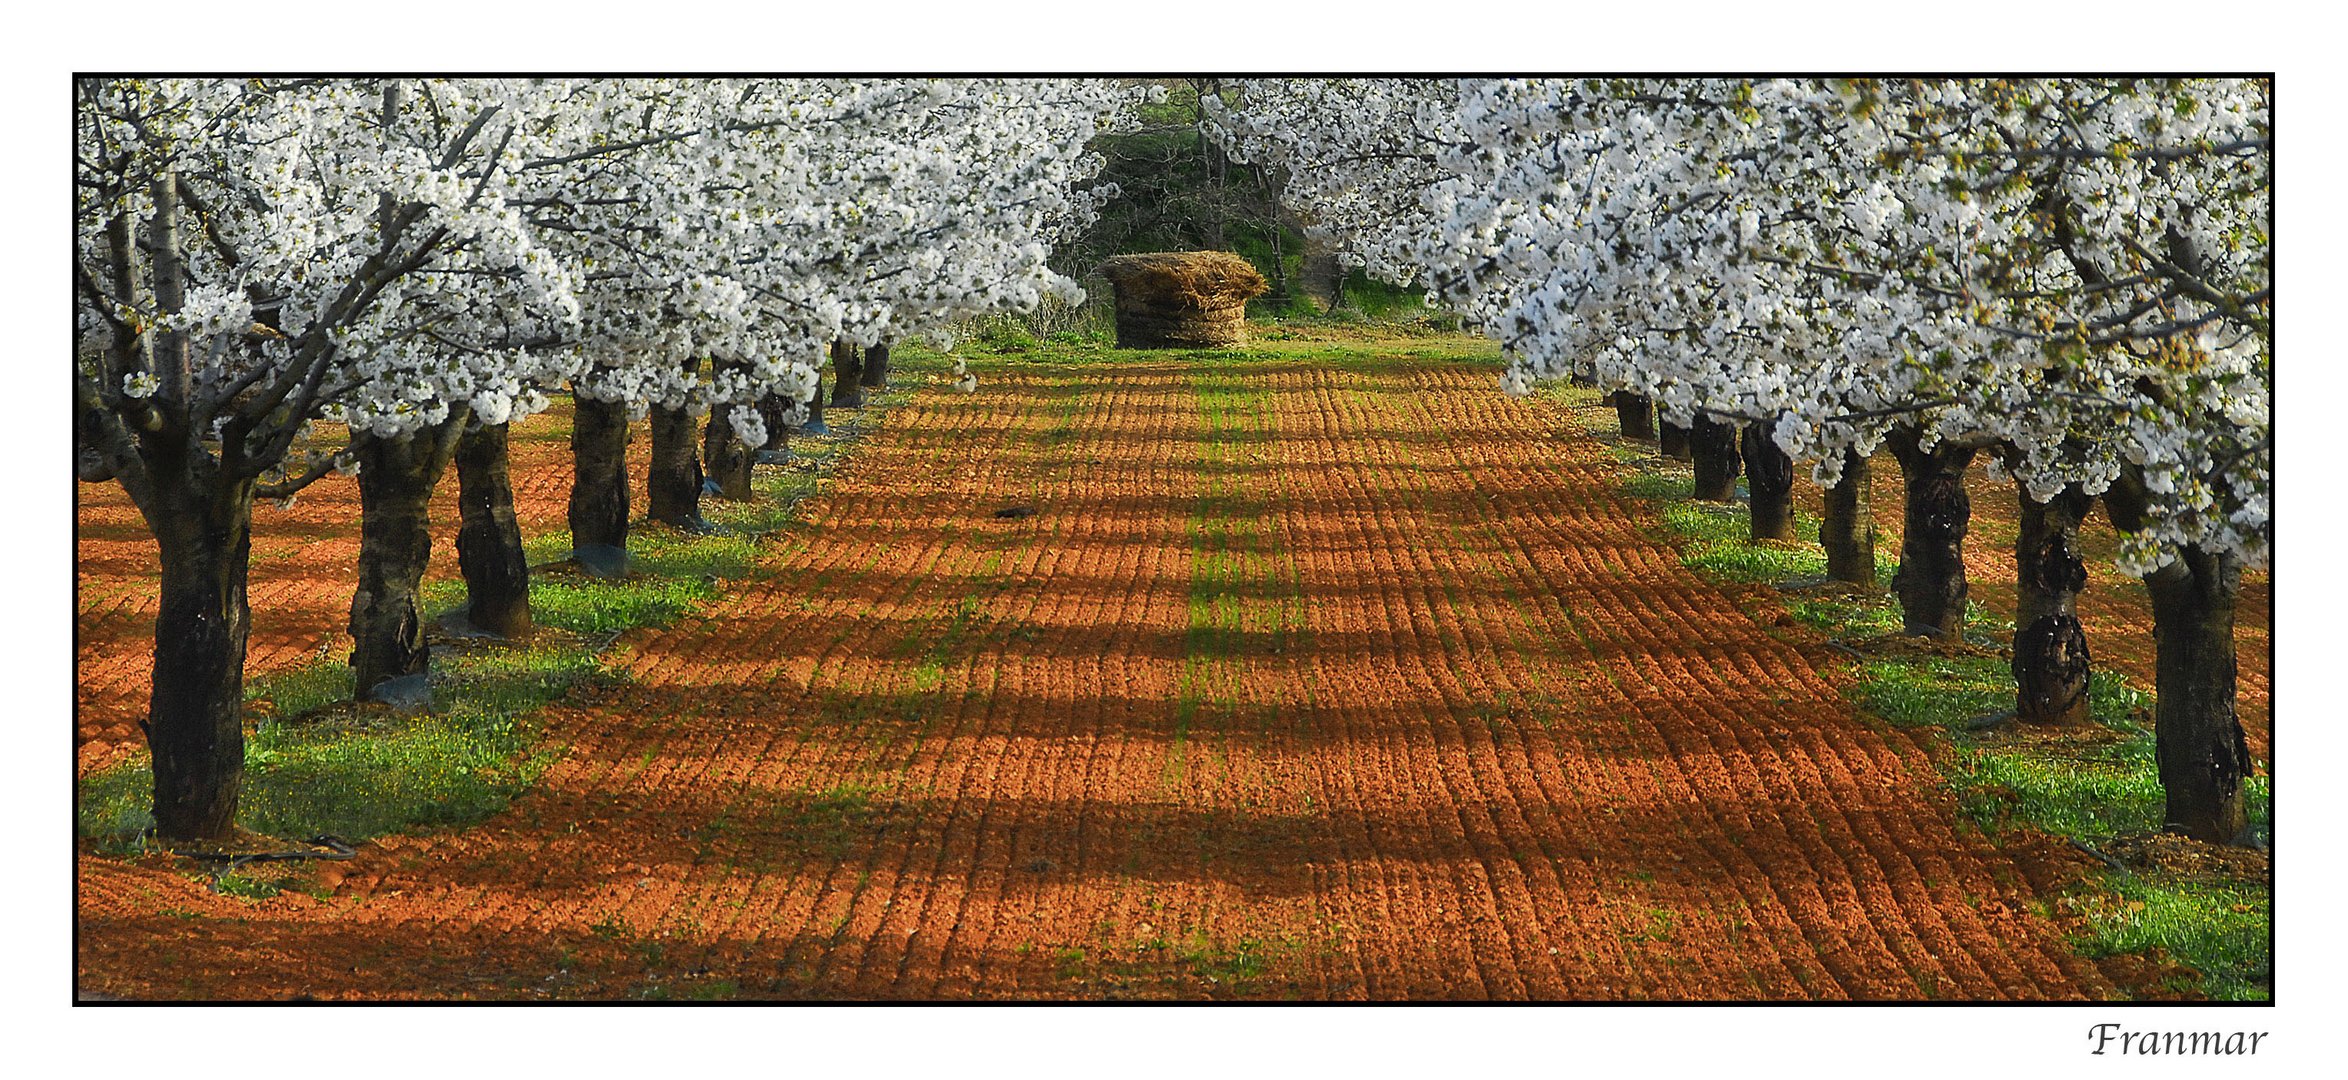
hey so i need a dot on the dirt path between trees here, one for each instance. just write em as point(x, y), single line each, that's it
point(1301, 681)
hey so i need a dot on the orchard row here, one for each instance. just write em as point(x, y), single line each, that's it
point(421, 262)
point(2069, 277)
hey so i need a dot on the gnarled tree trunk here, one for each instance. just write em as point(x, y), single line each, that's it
point(396, 477)
point(599, 485)
point(2051, 664)
point(1769, 479)
point(1634, 414)
point(1848, 532)
point(1714, 446)
point(489, 539)
point(195, 709)
point(876, 366)
point(1931, 582)
point(848, 385)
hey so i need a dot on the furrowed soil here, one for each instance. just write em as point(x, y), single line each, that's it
point(1301, 680)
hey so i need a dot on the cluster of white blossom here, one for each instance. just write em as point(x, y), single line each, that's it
point(1358, 156)
point(2074, 269)
point(400, 249)
point(764, 219)
point(1000, 173)
point(349, 248)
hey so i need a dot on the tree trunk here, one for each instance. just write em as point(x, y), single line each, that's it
point(727, 460)
point(1635, 414)
point(848, 385)
point(2204, 759)
point(1848, 533)
point(195, 709)
point(599, 487)
point(780, 413)
point(1769, 481)
point(812, 412)
point(396, 477)
point(1713, 444)
point(2051, 665)
point(876, 367)
point(674, 481)
point(489, 539)
point(89, 465)
point(1931, 580)
point(1672, 442)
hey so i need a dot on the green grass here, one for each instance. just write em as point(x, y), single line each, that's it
point(363, 777)
point(1934, 691)
point(1233, 968)
point(776, 505)
point(244, 887)
point(1236, 966)
point(1718, 544)
point(322, 680)
point(1863, 617)
point(2221, 931)
point(1660, 486)
point(1244, 594)
point(829, 823)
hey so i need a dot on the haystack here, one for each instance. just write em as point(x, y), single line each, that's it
point(1182, 299)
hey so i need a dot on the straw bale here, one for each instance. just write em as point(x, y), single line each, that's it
point(1182, 298)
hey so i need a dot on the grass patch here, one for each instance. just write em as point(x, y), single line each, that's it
point(778, 493)
point(1660, 486)
point(1718, 544)
point(366, 775)
point(1237, 966)
point(1863, 617)
point(609, 607)
point(829, 823)
point(2221, 931)
point(1915, 692)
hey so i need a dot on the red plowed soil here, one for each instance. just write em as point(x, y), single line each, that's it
point(1300, 682)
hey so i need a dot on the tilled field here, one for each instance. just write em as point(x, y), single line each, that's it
point(1300, 681)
